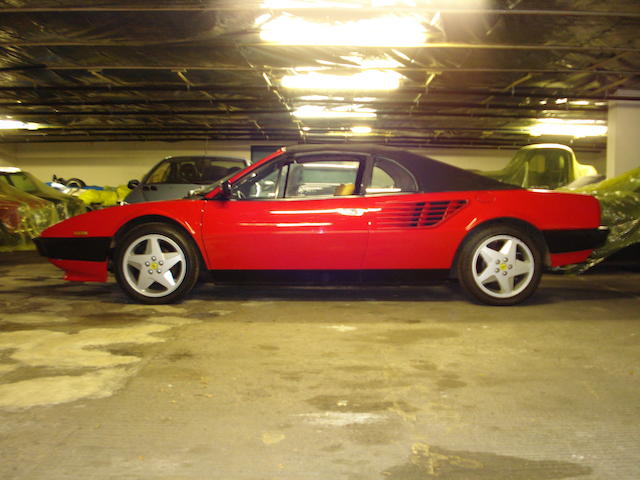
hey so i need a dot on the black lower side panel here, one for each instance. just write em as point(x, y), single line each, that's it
point(91, 249)
point(327, 277)
point(563, 241)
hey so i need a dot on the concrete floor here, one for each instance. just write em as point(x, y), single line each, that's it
point(326, 384)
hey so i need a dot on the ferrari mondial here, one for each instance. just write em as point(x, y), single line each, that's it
point(334, 214)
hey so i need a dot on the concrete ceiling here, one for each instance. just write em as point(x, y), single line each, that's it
point(176, 70)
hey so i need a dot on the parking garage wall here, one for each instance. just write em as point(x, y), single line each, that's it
point(7, 156)
point(115, 163)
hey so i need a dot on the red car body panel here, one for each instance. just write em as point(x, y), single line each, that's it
point(355, 232)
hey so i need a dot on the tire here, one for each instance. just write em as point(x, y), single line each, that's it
point(500, 265)
point(75, 183)
point(156, 263)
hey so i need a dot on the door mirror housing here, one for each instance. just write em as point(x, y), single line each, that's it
point(133, 184)
point(225, 190)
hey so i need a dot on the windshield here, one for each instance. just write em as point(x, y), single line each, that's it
point(193, 170)
point(205, 189)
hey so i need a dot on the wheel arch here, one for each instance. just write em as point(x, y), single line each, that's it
point(135, 222)
point(520, 224)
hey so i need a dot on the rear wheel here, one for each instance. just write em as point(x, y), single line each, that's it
point(156, 263)
point(500, 265)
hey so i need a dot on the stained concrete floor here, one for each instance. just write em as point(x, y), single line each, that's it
point(291, 384)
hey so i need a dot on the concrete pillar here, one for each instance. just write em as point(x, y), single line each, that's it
point(623, 140)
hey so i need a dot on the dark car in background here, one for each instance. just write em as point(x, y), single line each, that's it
point(175, 177)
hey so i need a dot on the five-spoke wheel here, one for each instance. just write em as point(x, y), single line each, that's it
point(156, 263)
point(500, 265)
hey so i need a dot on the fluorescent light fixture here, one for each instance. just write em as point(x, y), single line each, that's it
point(580, 102)
point(572, 128)
point(366, 80)
point(295, 4)
point(361, 130)
point(348, 111)
point(6, 124)
point(561, 101)
point(351, 4)
point(385, 31)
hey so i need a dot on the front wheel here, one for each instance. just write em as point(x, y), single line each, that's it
point(156, 263)
point(500, 266)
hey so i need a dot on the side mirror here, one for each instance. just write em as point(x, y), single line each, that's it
point(225, 190)
point(133, 184)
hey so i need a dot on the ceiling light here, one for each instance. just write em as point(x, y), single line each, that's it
point(386, 31)
point(572, 128)
point(361, 130)
point(561, 101)
point(349, 111)
point(367, 80)
point(580, 102)
point(286, 4)
point(320, 98)
point(7, 124)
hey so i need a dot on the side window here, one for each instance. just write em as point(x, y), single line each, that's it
point(262, 184)
point(323, 175)
point(22, 182)
point(389, 176)
point(159, 174)
point(311, 176)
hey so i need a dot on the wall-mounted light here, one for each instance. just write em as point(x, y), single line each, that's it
point(572, 128)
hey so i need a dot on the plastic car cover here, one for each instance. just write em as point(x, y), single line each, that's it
point(66, 205)
point(22, 218)
point(103, 197)
point(620, 203)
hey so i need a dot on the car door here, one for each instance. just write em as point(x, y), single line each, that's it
point(302, 213)
point(410, 230)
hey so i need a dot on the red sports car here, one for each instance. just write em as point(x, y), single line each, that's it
point(334, 214)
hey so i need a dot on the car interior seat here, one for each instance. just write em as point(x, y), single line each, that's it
point(344, 189)
point(188, 173)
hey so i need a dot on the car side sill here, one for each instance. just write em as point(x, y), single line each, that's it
point(328, 277)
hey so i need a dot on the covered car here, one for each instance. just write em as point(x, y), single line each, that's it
point(334, 214)
point(543, 165)
point(66, 205)
point(619, 199)
point(22, 218)
point(175, 177)
point(15, 224)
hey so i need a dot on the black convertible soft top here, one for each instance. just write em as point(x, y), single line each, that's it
point(432, 175)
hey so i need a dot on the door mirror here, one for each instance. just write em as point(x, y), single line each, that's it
point(225, 190)
point(133, 184)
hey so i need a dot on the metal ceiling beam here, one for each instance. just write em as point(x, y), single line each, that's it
point(256, 6)
point(427, 103)
point(256, 89)
point(245, 113)
point(237, 68)
point(214, 44)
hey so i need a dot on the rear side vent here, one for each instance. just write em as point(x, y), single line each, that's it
point(416, 214)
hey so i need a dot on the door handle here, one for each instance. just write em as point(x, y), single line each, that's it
point(356, 212)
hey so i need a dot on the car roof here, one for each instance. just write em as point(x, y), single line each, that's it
point(366, 148)
point(200, 157)
point(432, 175)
